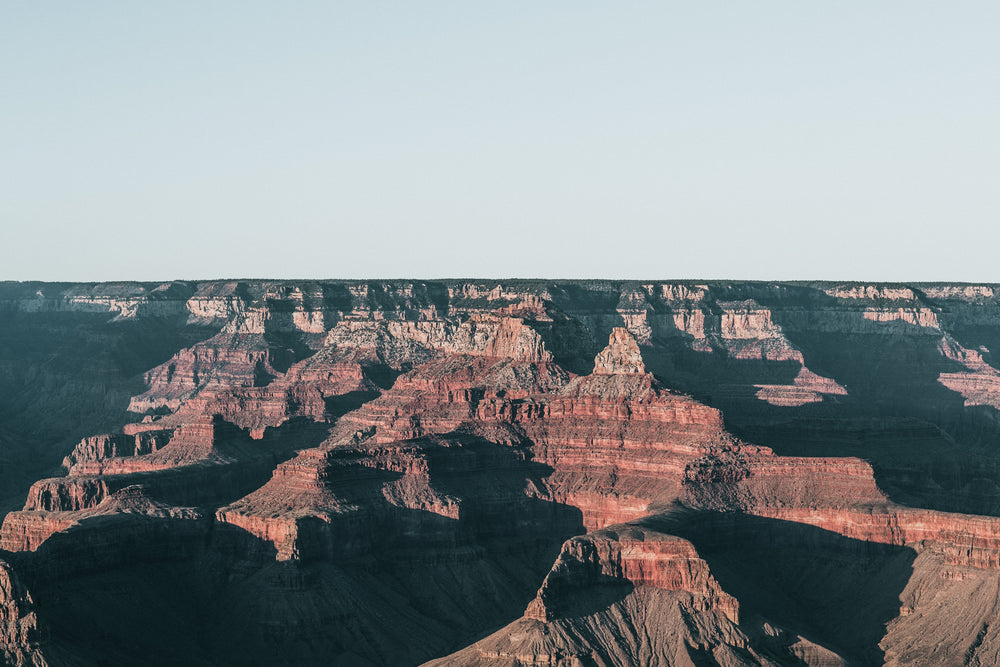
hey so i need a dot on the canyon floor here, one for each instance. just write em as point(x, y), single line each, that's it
point(499, 473)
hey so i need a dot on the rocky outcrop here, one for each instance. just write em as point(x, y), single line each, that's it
point(627, 596)
point(503, 338)
point(226, 361)
point(20, 637)
point(806, 387)
point(638, 557)
point(313, 444)
point(749, 481)
point(620, 356)
point(114, 445)
point(126, 301)
point(960, 539)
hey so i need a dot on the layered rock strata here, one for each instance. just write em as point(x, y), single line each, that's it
point(20, 636)
point(314, 444)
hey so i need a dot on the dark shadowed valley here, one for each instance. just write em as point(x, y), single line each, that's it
point(499, 473)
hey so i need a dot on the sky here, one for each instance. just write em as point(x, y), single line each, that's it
point(772, 140)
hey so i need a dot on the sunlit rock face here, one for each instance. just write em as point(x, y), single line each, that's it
point(499, 473)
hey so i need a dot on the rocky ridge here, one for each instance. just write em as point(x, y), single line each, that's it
point(333, 436)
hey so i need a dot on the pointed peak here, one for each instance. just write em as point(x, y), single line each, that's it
point(621, 356)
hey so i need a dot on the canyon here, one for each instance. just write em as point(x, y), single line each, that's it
point(501, 473)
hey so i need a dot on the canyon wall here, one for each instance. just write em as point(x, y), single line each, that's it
point(380, 472)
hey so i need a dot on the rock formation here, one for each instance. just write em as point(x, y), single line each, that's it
point(324, 472)
point(20, 639)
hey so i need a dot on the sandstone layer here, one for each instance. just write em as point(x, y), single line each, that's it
point(268, 472)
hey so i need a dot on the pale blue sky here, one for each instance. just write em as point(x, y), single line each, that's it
point(764, 140)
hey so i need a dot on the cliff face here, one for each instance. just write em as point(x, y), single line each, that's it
point(18, 623)
point(635, 557)
point(378, 473)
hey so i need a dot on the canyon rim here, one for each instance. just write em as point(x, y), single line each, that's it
point(511, 472)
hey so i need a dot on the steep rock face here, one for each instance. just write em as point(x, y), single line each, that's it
point(65, 494)
point(620, 356)
point(960, 539)
point(204, 437)
point(748, 481)
point(66, 373)
point(394, 343)
point(840, 496)
point(746, 343)
point(123, 300)
point(688, 329)
point(27, 530)
point(615, 442)
point(112, 445)
point(405, 342)
point(321, 441)
point(618, 444)
point(457, 446)
point(616, 634)
point(215, 304)
point(445, 491)
point(89, 538)
point(21, 638)
point(978, 382)
point(203, 463)
point(641, 558)
point(944, 616)
point(632, 595)
point(226, 361)
point(503, 338)
point(440, 395)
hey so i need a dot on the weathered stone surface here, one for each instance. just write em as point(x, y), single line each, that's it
point(621, 356)
point(20, 638)
point(317, 446)
point(633, 555)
